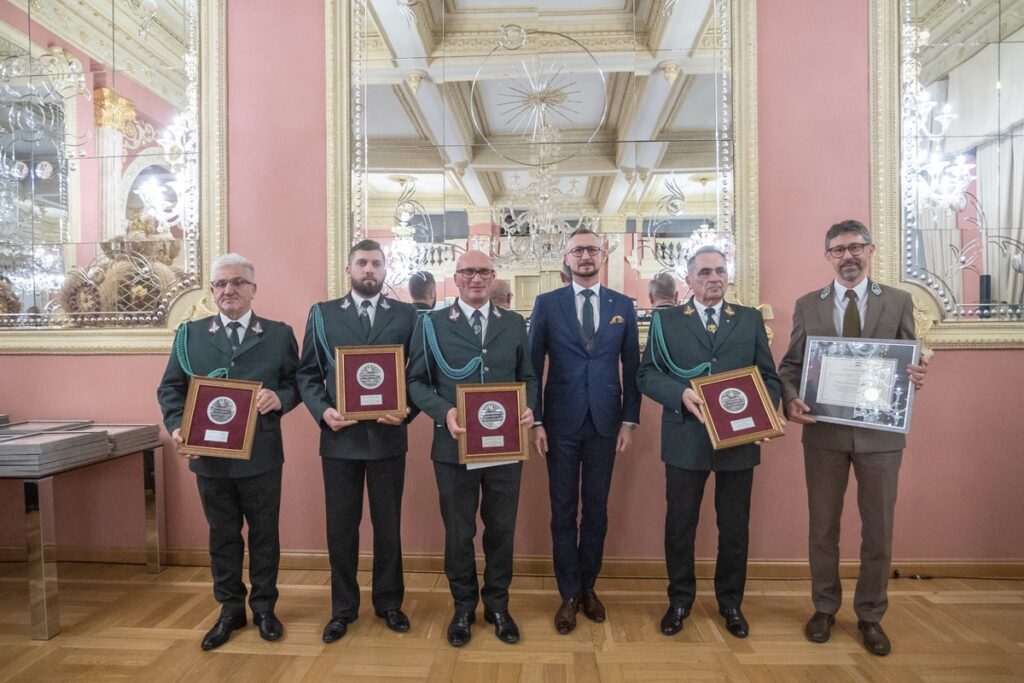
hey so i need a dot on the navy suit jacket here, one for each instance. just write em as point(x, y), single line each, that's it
point(582, 380)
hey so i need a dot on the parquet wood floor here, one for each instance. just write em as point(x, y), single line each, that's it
point(121, 623)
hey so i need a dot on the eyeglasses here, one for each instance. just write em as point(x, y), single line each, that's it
point(589, 251)
point(235, 282)
point(470, 273)
point(855, 249)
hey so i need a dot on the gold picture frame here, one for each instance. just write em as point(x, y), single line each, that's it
point(466, 398)
point(734, 413)
point(344, 354)
point(222, 414)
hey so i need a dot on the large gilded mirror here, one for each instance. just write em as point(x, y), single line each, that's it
point(503, 126)
point(112, 172)
point(948, 163)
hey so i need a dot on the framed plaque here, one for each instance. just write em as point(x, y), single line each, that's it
point(860, 382)
point(220, 418)
point(370, 381)
point(737, 408)
point(490, 413)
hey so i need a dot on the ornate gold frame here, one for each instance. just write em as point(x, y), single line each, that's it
point(213, 184)
point(744, 67)
point(884, 67)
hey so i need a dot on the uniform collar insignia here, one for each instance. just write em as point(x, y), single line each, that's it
point(497, 311)
point(876, 289)
point(384, 304)
point(214, 327)
point(825, 293)
point(688, 309)
point(257, 328)
point(345, 303)
point(453, 313)
point(728, 309)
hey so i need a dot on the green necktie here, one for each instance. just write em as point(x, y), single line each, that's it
point(851, 319)
point(588, 317)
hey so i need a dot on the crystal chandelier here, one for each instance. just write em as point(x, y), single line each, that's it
point(674, 253)
point(412, 246)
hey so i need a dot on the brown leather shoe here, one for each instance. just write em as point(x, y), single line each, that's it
point(875, 640)
point(819, 628)
point(565, 617)
point(592, 606)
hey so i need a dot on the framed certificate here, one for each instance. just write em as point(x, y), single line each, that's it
point(490, 413)
point(737, 408)
point(860, 382)
point(220, 418)
point(370, 381)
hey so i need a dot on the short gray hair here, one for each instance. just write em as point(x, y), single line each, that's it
point(233, 259)
point(706, 249)
point(662, 287)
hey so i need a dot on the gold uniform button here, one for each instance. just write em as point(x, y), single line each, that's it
point(483, 350)
point(487, 369)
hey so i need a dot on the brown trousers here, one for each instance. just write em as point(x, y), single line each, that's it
point(827, 473)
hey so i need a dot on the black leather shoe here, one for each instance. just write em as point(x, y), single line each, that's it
point(395, 619)
point(336, 629)
point(875, 640)
point(269, 625)
point(221, 631)
point(504, 626)
point(458, 629)
point(735, 622)
point(819, 628)
point(672, 622)
point(565, 617)
point(592, 606)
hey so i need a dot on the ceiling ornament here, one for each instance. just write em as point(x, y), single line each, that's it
point(538, 94)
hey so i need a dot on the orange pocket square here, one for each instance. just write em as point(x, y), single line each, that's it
point(617, 320)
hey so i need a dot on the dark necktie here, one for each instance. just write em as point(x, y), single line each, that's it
point(234, 334)
point(851, 319)
point(587, 324)
point(709, 316)
point(364, 317)
point(478, 324)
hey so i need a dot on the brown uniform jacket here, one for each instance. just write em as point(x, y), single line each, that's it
point(889, 314)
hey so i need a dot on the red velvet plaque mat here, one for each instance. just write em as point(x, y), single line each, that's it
point(359, 399)
point(504, 439)
point(728, 425)
point(204, 432)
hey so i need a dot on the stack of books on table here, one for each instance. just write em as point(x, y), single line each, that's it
point(43, 453)
point(126, 438)
point(34, 426)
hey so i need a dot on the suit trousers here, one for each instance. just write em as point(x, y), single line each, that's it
point(495, 492)
point(343, 497)
point(877, 475)
point(580, 462)
point(226, 503)
point(684, 490)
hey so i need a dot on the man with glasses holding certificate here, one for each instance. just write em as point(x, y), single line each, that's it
point(851, 305)
point(238, 344)
point(472, 342)
point(588, 334)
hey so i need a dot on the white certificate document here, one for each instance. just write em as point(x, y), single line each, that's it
point(856, 382)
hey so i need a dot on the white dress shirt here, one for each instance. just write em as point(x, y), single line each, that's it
point(358, 301)
point(595, 301)
point(485, 311)
point(241, 330)
point(700, 311)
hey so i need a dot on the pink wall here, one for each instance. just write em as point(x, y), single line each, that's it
point(962, 469)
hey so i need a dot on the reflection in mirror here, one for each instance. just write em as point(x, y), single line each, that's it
point(98, 161)
point(962, 156)
point(499, 127)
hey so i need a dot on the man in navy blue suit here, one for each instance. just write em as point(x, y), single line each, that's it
point(587, 415)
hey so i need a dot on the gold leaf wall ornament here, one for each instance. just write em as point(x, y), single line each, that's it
point(113, 111)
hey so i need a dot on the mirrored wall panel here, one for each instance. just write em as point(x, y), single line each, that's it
point(962, 155)
point(505, 125)
point(99, 189)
